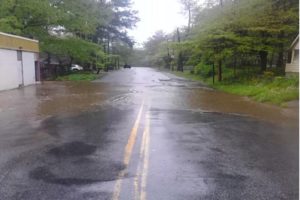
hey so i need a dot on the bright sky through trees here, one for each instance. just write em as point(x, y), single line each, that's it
point(156, 15)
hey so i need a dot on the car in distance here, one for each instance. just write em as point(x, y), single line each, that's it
point(127, 66)
point(76, 67)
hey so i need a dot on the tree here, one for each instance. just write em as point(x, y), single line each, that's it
point(236, 33)
point(189, 7)
point(73, 49)
point(259, 27)
point(155, 48)
point(29, 18)
point(78, 29)
point(121, 19)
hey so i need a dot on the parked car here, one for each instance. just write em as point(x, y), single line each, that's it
point(76, 67)
point(127, 66)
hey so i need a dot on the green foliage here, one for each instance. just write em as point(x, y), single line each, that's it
point(253, 33)
point(100, 65)
point(28, 18)
point(75, 48)
point(78, 77)
point(242, 39)
point(154, 48)
point(286, 82)
point(138, 58)
point(10, 24)
point(77, 29)
point(268, 75)
point(122, 51)
point(276, 90)
point(205, 71)
point(81, 17)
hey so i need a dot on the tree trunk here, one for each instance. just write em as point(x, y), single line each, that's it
point(213, 72)
point(48, 59)
point(271, 60)
point(108, 43)
point(279, 63)
point(190, 20)
point(180, 62)
point(280, 60)
point(61, 67)
point(234, 66)
point(220, 70)
point(55, 71)
point(71, 62)
point(263, 60)
point(178, 35)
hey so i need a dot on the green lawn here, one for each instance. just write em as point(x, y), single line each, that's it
point(79, 76)
point(276, 90)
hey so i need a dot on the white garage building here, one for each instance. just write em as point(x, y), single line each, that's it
point(292, 65)
point(18, 61)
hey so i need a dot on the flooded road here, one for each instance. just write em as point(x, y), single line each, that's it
point(142, 134)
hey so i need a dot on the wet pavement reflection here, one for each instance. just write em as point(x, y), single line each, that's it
point(52, 98)
point(66, 140)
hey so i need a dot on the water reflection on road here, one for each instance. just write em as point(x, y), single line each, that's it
point(222, 102)
point(141, 131)
point(51, 98)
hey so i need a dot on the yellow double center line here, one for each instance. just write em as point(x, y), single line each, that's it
point(140, 179)
point(142, 171)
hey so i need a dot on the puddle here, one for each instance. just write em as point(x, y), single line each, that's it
point(227, 103)
point(52, 98)
point(56, 98)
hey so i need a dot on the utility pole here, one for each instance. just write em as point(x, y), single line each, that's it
point(180, 60)
point(213, 72)
point(168, 56)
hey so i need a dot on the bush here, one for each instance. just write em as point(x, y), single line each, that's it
point(78, 76)
point(268, 75)
point(203, 70)
point(286, 81)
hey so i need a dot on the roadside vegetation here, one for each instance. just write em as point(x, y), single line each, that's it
point(243, 44)
point(268, 88)
point(78, 76)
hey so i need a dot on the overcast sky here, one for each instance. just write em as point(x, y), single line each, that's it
point(156, 15)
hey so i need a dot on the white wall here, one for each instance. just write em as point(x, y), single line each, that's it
point(9, 76)
point(28, 68)
point(297, 45)
point(11, 69)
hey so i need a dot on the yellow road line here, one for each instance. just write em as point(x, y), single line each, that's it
point(127, 154)
point(142, 171)
point(146, 160)
point(139, 169)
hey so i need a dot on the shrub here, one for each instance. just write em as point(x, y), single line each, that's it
point(203, 70)
point(268, 75)
point(79, 76)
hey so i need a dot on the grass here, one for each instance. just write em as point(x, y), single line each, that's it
point(275, 90)
point(79, 76)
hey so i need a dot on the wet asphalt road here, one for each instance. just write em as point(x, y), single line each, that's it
point(144, 134)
